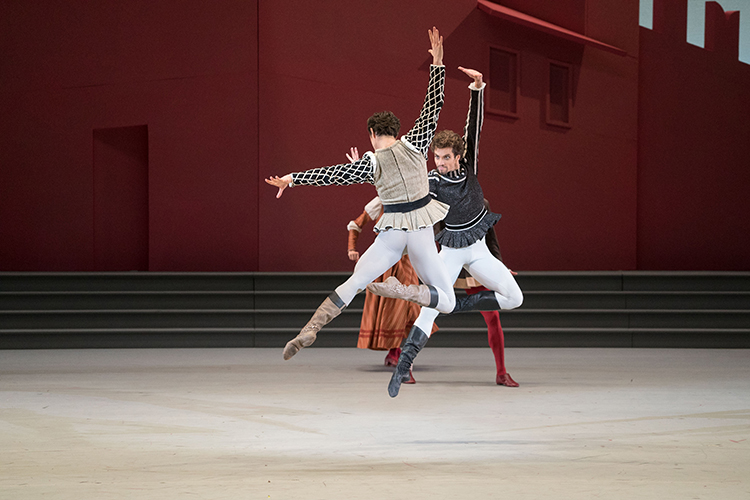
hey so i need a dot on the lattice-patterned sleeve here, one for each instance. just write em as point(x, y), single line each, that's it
point(473, 127)
point(359, 172)
point(420, 136)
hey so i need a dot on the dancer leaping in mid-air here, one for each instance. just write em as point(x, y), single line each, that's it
point(454, 182)
point(398, 169)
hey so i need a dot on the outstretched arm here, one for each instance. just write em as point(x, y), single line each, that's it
point(421, 134)
point(358, 172)
point(474, 119)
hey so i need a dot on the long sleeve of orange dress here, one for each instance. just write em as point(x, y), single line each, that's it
point(355, 228)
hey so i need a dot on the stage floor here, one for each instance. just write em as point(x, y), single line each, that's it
point(244, 424)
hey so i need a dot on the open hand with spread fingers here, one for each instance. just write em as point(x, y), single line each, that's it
point(280, 182)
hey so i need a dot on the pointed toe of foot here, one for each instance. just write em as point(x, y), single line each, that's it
point(290, 350)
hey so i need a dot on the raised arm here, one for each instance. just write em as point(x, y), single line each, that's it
point(474, 119)
point(421, 134)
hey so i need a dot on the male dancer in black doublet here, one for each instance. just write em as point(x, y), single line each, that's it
point(466, 221)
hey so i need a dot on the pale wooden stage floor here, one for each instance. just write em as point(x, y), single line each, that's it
point(244, 424)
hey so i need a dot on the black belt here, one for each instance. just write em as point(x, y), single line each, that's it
point(408, 206)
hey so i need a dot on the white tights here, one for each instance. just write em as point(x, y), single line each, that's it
point(482, 265)
point(387, 249)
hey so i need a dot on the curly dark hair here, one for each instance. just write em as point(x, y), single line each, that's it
point(384, 123)
point(448, 139)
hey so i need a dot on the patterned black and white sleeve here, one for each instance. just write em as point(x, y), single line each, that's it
point(421, 134)
point(358, 172)
point(473, 127)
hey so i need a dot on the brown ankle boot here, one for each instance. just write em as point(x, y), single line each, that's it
point(329, 309)
point(424, 295)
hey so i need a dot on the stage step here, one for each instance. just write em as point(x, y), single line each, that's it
point(565, 309)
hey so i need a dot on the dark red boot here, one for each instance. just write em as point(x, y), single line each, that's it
point(391, 359)
point(505, 380)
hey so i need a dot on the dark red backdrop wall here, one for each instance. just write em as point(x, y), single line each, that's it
point(567, 195)
point(233, 91)
point(187, 70)
point(694, 158)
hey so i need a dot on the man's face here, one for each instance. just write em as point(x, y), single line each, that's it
point(445, 160)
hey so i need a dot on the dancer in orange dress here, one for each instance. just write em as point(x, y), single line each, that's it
point(385, 322)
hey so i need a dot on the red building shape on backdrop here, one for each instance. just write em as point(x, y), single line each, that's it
point(136, 135)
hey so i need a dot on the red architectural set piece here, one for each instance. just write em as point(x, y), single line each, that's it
point(137, 135)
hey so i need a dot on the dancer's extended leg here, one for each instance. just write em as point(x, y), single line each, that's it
point(385, 251)
point(326, 312)
point(420, 333)
point(414, 343)
point(496, 339)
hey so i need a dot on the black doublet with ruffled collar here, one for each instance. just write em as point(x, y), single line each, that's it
point(468, 220)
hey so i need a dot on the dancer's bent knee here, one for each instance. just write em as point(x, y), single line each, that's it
point(446, 302)
point(511, 301)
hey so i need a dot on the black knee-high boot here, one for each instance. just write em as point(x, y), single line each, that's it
point(414, 343)
point(481, 301)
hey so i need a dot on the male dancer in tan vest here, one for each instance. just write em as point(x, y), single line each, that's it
point(398, 169)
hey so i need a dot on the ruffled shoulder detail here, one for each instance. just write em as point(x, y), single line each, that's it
point(466, 237)
point(429, 215)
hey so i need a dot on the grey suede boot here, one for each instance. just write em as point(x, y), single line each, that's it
point(329, 309)
point(414, 343)
point(481, 301)
point(424, 295)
